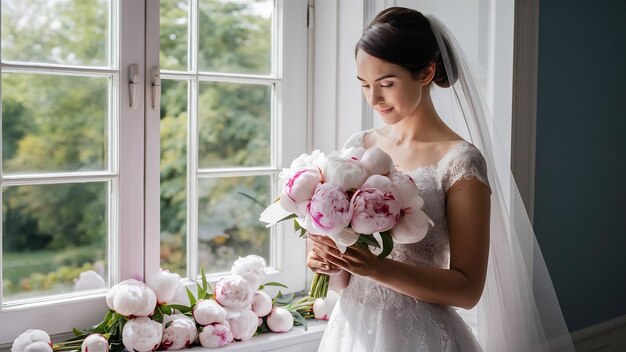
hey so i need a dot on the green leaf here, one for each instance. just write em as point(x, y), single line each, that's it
point(192, 299)
point(165, 309)
point(179, 307)
point(157, 315)
point(299, 319)
point(252, 199)
point(387, 244)
point(205, 284)
point(167, 325)
point(290, 216)
point(368, 240)
point(285, 299)
point(274, 283)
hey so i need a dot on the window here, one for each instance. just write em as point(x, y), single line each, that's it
point(90, 182)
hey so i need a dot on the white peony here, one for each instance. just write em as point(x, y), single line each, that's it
point(252, 268)
point(89, 280)
point(179, 331)
point(280, 320)
point(131, 297)
point(261, 304)
point(234, 292)
point(165, 285)
point(216, 335)
point(30, 337)
point(142, 334)
point(208, 311)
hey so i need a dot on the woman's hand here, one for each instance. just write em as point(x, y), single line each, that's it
point(357, 261)
point(318, 265)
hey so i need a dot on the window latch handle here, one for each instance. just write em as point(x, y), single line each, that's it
point(133, 85)
point(156, 88)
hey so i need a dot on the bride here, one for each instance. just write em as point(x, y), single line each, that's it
point(474, 253)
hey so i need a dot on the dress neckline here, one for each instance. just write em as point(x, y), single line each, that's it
point(433, 166)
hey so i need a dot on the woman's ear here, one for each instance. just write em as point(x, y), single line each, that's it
point(427, 74)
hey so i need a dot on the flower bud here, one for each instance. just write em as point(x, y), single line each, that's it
point(208, 311)
point(323, 307)
point(261, 304)
point(280, 320)
point(377, 162)
point(95, 343)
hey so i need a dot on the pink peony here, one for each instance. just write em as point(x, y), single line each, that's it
point(346, 173)
point(179, 331)
point(131, 297)
point(299, 187)
point(405, 190)
point(374, 211)
point(216, 335)
point(329, 211)
point(354, 153)
point(234, 292)
point(208, 311)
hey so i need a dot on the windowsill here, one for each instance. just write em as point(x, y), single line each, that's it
point(305, 340)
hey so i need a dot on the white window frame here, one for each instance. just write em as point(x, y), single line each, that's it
point(134, 208)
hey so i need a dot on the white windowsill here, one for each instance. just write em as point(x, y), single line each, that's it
point(304, 340)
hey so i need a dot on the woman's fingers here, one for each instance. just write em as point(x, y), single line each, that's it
point(318, 265)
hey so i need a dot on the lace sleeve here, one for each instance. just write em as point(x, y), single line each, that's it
point(466, 163)
point(356, 140)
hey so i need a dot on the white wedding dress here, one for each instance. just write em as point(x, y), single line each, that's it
point(372, 317)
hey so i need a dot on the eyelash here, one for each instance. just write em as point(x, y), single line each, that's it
point(382, 85)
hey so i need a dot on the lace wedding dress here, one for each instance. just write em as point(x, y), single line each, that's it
point(372, 317)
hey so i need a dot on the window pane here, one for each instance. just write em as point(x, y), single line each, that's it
point(234, 125)
point(53, 123)
point(50, 234)
point(228, 220)
point(174, 28)
point(59, 32)
point(235, 36)
point(174, 176)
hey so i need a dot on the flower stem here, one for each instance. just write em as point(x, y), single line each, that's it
point(319, 286)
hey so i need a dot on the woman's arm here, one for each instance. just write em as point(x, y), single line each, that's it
point(468, 208)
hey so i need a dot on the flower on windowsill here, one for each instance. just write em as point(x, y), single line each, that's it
point(137, 323)
point(165, 285)
point(32, 340)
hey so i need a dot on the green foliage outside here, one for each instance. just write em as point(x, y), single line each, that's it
point(58, 123)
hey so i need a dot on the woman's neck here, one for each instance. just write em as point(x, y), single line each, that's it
point(422, 125)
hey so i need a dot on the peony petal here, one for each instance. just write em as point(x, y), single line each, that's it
point(273, 214)
point(411, 228)
point(345, 238)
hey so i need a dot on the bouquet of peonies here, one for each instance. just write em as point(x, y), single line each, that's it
point(163, 314)
point(355, 197)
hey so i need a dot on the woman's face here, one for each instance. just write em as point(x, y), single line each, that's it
point(391, 89)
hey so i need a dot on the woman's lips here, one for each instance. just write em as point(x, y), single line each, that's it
point(384, 111)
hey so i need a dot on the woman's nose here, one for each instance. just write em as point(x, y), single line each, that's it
point(375, 96)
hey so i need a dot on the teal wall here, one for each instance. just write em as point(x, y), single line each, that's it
point(580, 180)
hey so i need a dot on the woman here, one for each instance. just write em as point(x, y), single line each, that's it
point(405, 302)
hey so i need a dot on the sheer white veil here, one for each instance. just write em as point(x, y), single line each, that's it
point(519, 310)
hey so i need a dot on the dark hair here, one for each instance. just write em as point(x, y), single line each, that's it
point(404, 37)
